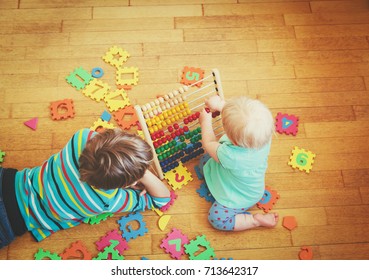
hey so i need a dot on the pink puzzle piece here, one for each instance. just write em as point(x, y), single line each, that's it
point(32, 123)
point(174, 243)
point(287, 124)
point(112, 235)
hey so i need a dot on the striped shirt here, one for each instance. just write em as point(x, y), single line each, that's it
point(51, 196)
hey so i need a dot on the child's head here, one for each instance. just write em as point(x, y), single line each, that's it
point(247, 122)
point(114, 159)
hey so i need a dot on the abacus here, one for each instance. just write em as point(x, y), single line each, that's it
point(170, 125)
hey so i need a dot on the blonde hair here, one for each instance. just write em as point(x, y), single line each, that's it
point(247, 122)
point(114, 159)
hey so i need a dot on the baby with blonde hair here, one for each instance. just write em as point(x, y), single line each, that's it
point(235, 170)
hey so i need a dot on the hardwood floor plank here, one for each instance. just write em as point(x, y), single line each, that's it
point(339, 6)
point(327, 17)
point(32, 4)
point(332, 70)
point(356, 178)
point(349, 251)
point(332, 30)
point(334, 129)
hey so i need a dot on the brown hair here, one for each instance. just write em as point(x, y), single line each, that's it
point(114, 159)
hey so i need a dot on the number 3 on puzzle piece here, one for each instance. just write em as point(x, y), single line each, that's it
point(191, 75)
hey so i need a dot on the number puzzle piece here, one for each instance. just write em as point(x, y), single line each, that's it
point(77, 251)
point(62, 109)
point(126, 117)
point(79, 78)
point(191, 75)
point(100, 125)
point(42, 255)
point(269, 198)
point(112, 235)
point(287, 124)
point(302, 159)
point(116, 56)
point(128, 231)
point(124, 72)
point(96, 90)
point(174, 243)
point(110, 253)
point(178, 177)
point(306, 253)
point(204, 192)
point(192, 249)
point(116, 100)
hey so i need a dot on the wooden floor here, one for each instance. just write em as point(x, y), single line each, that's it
point(307, 58)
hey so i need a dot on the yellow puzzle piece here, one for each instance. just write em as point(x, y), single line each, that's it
point(178, 177)
point(302, 159)
point(116, 100)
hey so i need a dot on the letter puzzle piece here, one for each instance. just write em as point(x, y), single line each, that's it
point(79, 78)
point(110, 253)
point(126, 117)
point(112, 235)
point(192, 249)
point(44, 255)
point(178, 177)
point(306, 253)
point(174, 243)
point(302, 159)
point(62, 109)
point(128, 232)
point(124, 72)
point(96, 90)
point(116, 100)
point(191, 75)
point(287, 124)
point(116, 56)
point(269, 198)
point(77, 251)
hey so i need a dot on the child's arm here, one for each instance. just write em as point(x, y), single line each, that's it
point(154, 186)
point(215, 103)
point(209, 140)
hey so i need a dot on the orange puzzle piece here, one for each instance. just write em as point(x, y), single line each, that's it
point(62, 109)
point(192, 75)
point(76, 251)
point(126, 117)
point(306, 253)
point(289, 222)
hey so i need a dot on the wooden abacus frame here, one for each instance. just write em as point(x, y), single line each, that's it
point(151, 115)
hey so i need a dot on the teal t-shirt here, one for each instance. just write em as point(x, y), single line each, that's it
point(238, 180)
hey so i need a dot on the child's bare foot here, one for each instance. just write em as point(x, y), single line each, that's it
point(266, 220)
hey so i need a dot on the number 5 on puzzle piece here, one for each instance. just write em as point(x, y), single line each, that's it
point(191, 75)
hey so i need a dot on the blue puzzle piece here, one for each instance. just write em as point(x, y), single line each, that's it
point(204, 192)
point(128, 231)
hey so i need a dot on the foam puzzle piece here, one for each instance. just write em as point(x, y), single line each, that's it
point(302, 159)
point(128, 232)
point(191, 75)
point(194, 247)
point(287, 124)
point(79, 78)
point(97, 72)
point(76, 251)
point(289, 222)
point(62, 109)
point(2, 155)
point(96, 90)
point(126, 117)
point(105, 116)
point(32, 123)
point(116, 100)
point(116, 56)
point(112, 235)
point(123, 72)
point(110, 253)
point(44, 255)
point(204, 192)
point(178, 177)
point(100, 125)
point(97, 219)
point(173, 197)
point(268, 200)
point(306, 253)
point(174, 243)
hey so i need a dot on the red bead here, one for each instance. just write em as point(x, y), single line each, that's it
point(181, 130)
point(170, 128)
point(190, 119)
point(185, 128)
point(169, 137)
point(176, 126)
point(185, 121)
point(161, 133)
point(197, 114)
point(173, 135)
point(156, 145)
point(178, 133)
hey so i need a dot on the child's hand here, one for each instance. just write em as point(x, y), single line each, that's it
point(205, 117)
point(215, 103)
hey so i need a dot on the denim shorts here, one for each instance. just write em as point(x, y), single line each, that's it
point(6, 232)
